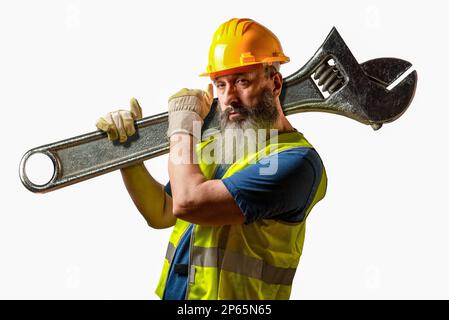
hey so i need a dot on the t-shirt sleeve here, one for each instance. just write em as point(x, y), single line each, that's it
point(278, 187)
point(167, 189)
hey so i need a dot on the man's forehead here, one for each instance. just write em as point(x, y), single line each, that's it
point(248, 74)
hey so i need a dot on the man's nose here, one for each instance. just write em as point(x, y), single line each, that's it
point(230, 95)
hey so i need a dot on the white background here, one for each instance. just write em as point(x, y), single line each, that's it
point(381, 232)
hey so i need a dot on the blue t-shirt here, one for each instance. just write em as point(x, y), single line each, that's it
point(278, 187)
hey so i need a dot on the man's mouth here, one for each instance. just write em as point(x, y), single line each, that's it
point(233, 115)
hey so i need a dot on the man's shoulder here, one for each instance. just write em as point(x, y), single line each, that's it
point(299, 154)
point(306, 150)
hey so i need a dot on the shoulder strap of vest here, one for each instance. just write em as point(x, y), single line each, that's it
point(279, 143)
point(207, 168)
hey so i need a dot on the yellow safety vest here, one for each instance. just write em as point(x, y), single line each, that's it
point(247, 261)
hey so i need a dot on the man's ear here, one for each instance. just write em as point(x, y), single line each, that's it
point(277, 81)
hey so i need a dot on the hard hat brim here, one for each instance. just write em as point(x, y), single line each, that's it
point(248, 67)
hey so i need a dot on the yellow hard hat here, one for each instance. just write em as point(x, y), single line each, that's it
point(240, 43)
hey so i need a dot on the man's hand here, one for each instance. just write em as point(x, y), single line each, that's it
point(120, 124)
point(187, 106)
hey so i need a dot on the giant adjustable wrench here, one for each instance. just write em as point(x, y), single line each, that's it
point(331, 81)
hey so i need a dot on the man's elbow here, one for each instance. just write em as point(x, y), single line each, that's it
point(159, 225)
point(157, 220)
point(183, 208)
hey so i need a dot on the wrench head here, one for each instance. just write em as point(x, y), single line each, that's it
point(356, 91)
point(365, 95)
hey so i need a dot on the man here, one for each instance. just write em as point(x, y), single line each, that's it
point(239, 227)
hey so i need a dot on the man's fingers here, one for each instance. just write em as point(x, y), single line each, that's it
point(118, 122)
point(128, 123)
point(107, 125)
point(210, 90)
point(209, 94)
point(102, 125)
point(112, 135)
point(112, 131)
point(136, 110)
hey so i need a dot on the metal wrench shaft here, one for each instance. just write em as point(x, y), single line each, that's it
point(356, 91)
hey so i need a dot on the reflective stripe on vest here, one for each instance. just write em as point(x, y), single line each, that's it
point(244, 265)
point(170, 252)
point(249, 261)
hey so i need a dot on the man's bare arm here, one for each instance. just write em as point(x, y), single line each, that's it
point(149, 196)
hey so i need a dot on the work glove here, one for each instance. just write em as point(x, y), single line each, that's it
point(120, 124)
point(187, 106)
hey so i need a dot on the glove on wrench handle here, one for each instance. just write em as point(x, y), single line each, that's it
point(355, 91)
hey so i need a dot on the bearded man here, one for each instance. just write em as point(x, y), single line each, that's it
point(238, 199)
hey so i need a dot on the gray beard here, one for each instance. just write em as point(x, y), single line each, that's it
point(248, 135)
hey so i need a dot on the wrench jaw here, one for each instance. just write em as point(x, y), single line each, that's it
point(388, 105)
point(385, 70)
point(385, 106)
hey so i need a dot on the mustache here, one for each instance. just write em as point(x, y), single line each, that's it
point(263, 114)
point(237, 107)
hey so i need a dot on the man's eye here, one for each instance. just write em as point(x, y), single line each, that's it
point(220, 85)
point(242, 81)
